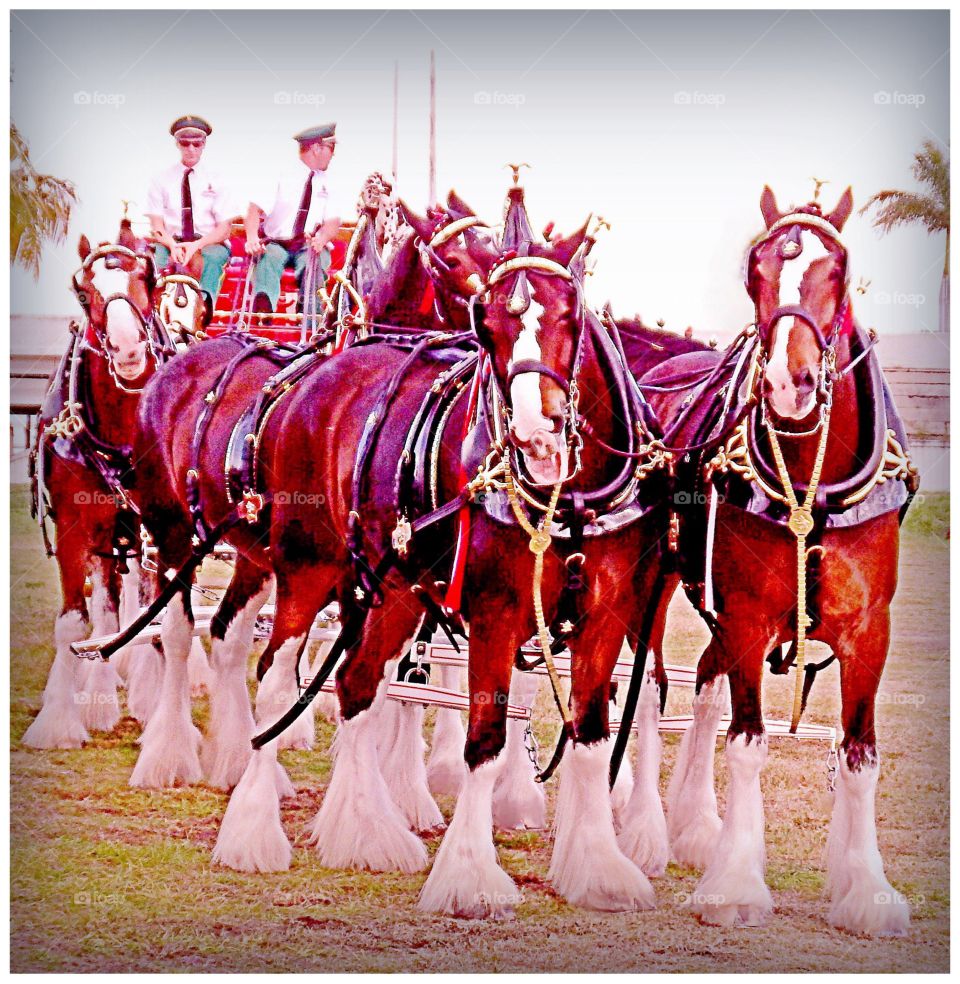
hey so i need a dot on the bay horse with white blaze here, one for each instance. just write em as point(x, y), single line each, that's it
point(799, 509)
point(83, 478)
point(550, 364)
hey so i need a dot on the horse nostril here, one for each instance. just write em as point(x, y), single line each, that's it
point(804, 380)
point(557, 419)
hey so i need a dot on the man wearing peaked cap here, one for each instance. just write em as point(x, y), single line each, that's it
point(293, 215)
point(190, 207)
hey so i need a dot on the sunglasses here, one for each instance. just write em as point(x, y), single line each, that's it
point(187, 142)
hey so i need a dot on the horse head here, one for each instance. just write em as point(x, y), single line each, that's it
point(114, 285)
point(527, 310)
point(796, 276)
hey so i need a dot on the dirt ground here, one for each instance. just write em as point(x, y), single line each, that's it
point(107, 878)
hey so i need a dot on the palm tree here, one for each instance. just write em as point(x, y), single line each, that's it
point(40, 206)
point(931, 168)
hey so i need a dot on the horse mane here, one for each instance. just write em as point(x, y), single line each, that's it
point(646, 347)
point(383, 294)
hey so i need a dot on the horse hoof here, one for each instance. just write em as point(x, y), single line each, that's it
point(862, 910)
point(747, 902)
point(473, 891)
point(51, 729)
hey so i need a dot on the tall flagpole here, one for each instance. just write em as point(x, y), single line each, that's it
point(432, 190)
point(396, 111)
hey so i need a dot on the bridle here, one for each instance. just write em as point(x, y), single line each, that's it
point(827, 343)
point(178, 299)
point(518, 304)
point(158, 346)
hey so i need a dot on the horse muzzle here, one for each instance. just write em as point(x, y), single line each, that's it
point(546, 456)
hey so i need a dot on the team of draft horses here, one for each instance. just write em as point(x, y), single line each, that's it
point(484, 448)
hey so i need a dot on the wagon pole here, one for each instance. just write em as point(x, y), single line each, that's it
point(432, 188)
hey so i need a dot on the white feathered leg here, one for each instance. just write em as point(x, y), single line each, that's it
point(326, 705)
point(198, 668)
point(732, 890)
point(693, 821)
point(643, 833)
point(358, 824)
point(99, 703)
point(129, 610)
point(861, 898)
point(445, 766)
point(144, 681)
point(277, 693)
point(226, 749)
point(623, 787)
point(518, 799)
point(401, 763)
point(59, 723)
point(588, 868)
point(466, 878)
point(251, 835)
point(170, 743)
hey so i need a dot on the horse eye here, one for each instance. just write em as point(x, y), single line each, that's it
point(453, 263)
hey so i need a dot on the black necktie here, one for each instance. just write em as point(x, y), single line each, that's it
point(300, 222)
point(186, 208)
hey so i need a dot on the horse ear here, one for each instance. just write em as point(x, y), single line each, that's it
point(422, 227)
point(456, 204)
point(83, 247)
point(563, 250)
point(838, 217)
point(768, 206)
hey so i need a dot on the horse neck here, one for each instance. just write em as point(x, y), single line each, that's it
point(841, 459)
point(398, 297)
point(112, 411)
point(597, 406)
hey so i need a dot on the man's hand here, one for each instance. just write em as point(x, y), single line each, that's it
point(176, 252)
point(254, 246)
point(188, 251)
point(317, 243)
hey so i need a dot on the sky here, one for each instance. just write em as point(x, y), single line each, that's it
point(668, 124)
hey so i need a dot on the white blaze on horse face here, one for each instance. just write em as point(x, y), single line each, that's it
point(783, 396)
point(546, 458)
point(123, 331)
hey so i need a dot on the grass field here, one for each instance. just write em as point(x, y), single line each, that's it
point(107, 878)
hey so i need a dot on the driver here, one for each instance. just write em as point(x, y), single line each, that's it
point(190, 208)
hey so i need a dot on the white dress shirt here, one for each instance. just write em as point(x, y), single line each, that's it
point(279, 201)
point(213, 200)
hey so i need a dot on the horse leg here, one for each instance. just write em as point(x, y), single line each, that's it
point(128, 611)
point(466, 878)
point(693, 821)
point(60, 723)
point(326, 705)
point(198, 668)
point(226, 750)
point(170, 743)
point(251, 836)
point(588, 867)
point(100, 706)
point(445, 768)
point(401, 749)
point(278, 691)
point(862, 900)
point(643, 832)
point(145, 662)
point(732, 889)
point(519, 802)
point(359, 825)
point(623, 788)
